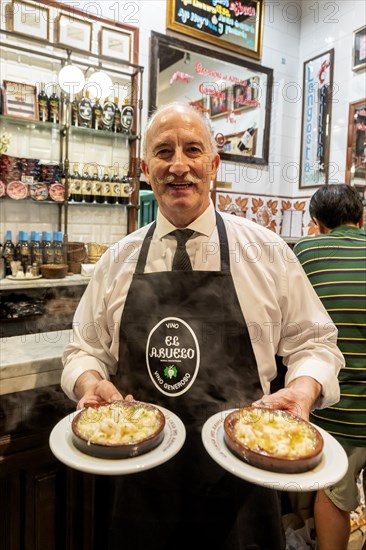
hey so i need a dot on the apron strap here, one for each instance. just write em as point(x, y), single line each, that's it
point(223, 242)
point(141, 262)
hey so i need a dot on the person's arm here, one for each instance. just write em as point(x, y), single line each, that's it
point(297, 398)
point(90, 387)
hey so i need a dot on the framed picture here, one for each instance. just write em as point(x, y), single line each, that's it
point(316, 120)
point(20, 100)
point(359, 49)
point(241, 135)
point(356, 144)
point(219, 104)
point(28, 19)
point(235, 26)
point(116, 44)
point(74, 32)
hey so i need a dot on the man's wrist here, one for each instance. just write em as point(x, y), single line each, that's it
point(85, 380)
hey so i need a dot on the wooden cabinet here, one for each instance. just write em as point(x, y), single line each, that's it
point(44, 504)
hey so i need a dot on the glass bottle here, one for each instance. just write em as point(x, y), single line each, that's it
point(58, 247)
point(75, 111)
point(35, 248)
point(97, 115)
point(98, 186)
point(54, 106)
point(85, 111)
point(23, 251)
point(75, 184)
point(127, 118)
point(109, 198)
point(246, 137)
point(48, 256)
point(123, 198)
point(108, 114)
point(43, 103)
point(117, 126)
point(8, 252)
point(87, 185)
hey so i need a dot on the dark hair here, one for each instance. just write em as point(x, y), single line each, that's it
point(336, 204)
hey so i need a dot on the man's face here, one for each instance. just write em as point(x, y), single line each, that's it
point(180, 164)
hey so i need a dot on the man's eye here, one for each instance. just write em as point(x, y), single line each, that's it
point(194, 150)
point(163, 152)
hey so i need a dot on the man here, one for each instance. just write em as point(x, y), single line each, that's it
point(335, 263)
point(245, 300)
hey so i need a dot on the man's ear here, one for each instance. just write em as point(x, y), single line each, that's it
point(322, 228)
point(145, 171)
point(360, 223)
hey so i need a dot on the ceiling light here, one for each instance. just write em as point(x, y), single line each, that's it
point(100, 85)
point(71, 79)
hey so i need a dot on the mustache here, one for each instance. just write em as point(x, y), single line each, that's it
point(172, 179)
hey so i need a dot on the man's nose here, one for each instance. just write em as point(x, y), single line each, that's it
point(179, 164)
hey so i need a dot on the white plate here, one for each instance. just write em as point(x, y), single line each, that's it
point(63, 448)
point(23, 279)
point(331, 469)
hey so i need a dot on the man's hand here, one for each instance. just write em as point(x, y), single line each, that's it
point(90, 387)
point(298, 398)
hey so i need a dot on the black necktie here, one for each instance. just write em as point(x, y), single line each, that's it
point(181, 261)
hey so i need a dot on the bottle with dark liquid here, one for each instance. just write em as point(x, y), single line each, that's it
point(43, 104)
point(85, 111)
point(246, 137)
point(35, 249)
point(8, 252)
point(117, 125)
point(124, 198)
point(75, 185)
point(54, 106)
point(87, 184)
point(97, 115)
point(108, 114)
point(58, 247)
point(127, 118)
point(75, 111)
point(48, 255)
point(107, 192)
point(97, 186)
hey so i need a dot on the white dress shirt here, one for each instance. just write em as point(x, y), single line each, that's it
point(282, 311)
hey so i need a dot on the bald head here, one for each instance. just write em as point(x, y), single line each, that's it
point(186, 111)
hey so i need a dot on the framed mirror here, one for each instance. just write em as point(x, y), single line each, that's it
point(235, 94)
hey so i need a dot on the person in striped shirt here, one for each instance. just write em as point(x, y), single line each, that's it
point(335, 263)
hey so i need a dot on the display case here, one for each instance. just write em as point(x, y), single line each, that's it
point(42, 149)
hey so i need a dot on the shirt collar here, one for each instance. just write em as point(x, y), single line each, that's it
point(204, 224)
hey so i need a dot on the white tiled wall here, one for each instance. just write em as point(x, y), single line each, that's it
point(293, 33)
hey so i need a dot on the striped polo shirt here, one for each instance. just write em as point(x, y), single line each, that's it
point(336, 266)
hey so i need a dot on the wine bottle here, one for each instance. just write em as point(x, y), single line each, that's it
point(246, 137)
point(43, 104)
point(54, 106)
point(85, 111)
point(127, 118)
point(8, 252)
point(108, 114)
point(109, 198)
point(124, 197)
point(75, 186)
point(97, 186)
point(87, 186)
point(97, 115)
point(117, 126)
point(75, 111)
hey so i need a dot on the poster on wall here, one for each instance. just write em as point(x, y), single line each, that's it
point(232, 93)
point(236, 26)
point(356, 144)
point(316, 120)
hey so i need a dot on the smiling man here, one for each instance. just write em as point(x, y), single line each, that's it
point(191, 313)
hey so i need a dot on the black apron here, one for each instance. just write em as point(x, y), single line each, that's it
point(184, 345)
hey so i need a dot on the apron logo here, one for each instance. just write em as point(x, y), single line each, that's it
point(171, 371)
point(172, 356)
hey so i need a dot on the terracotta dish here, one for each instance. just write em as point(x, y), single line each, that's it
point(122, 429)
point(54, 271)
point(273, 440)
